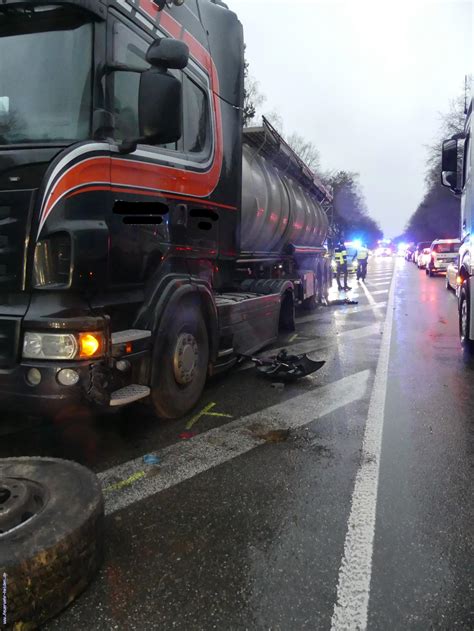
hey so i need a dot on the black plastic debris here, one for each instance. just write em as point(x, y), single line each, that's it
point(284, 367)
point(342, 301)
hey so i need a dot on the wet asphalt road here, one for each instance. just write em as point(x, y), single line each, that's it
point(245, 527)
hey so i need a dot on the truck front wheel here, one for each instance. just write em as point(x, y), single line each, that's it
point(180, 363)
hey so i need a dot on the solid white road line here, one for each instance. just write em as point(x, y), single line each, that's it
point(311, 346)
point(379, 291)
point(187, 459)
point(353, 589)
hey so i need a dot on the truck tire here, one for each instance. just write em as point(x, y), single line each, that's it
point(464, 319)
point(180, 363)
point(52, 541)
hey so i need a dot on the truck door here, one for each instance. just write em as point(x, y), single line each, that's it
point(156, 193)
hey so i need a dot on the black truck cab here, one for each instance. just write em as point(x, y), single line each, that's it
point(119, 189)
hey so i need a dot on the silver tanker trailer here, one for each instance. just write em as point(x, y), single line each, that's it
point(284, 224)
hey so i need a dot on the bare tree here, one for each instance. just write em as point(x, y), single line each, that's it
point(438, 214)
point(305, 149)
point(351, 214)
point(276, 120)
point(253, 98)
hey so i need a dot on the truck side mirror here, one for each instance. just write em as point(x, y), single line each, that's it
point(160, 106)
point(160, 96)
point(449, 164)
point(168, 53)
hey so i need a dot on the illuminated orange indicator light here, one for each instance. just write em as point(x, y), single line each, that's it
point(128, 347)
point(90, 344)
point(458, 280)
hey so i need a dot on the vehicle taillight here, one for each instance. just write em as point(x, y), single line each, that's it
point(459, 280)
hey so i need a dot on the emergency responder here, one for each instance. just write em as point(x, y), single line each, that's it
point(340, 255)
point(362, 255)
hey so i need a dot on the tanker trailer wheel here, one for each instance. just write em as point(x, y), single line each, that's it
point(180, 363)
point(51, 536)
point(311, 303)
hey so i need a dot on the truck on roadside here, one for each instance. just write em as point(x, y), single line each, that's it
point(146, 239)
point(456, 174)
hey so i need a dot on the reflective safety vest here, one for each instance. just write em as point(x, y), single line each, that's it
point(340, 254)
point(362, 254)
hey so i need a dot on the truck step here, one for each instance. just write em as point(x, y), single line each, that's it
point(129, 394)
point(130, 335)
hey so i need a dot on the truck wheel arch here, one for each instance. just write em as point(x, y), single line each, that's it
point(167, 294)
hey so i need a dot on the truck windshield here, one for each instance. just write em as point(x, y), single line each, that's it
point(45, 75)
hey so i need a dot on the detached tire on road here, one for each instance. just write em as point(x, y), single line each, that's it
point(51, 515)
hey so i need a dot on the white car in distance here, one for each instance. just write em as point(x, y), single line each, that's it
point(443, 252)
point(423, 258)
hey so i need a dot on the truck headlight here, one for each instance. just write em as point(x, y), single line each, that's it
point(63, 345)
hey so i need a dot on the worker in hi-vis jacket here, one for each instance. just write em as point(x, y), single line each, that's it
point(340, 255)
point(362, 256)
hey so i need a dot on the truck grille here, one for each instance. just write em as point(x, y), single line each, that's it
point(9, 336)
point(14, 211)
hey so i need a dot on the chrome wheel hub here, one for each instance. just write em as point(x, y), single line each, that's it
point(185, 358)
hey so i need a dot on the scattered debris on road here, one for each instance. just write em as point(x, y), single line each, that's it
point(284, 366)
point(187, 435)
point(151, 459)
point(341, 301)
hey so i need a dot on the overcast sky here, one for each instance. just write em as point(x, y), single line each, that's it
point(365, 80)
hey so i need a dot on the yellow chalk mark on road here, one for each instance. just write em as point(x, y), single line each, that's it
point(206, 411)
point(293, 338)
point(219, 414)
point(120, 485)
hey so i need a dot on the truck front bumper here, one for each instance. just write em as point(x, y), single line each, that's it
point(96, 382)
point(49, 396)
